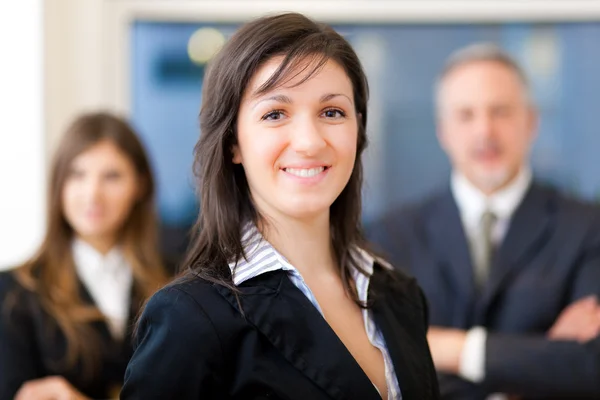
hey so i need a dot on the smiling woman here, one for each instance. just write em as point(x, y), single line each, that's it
point(281, 298)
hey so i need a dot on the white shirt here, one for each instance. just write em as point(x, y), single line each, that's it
point(472, 203)
point(108, 279)
point(262, 258)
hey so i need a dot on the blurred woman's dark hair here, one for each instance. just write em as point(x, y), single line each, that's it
point(225, 199)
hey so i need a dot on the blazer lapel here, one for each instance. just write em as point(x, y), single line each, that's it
point(101, 327)
point(404, 336)
point(135, 305)
point(295, 327)
point(529, 229)
point(451, 250)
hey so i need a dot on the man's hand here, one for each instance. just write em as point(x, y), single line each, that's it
point(51, 388)
point(446, 347)
point(579, 321)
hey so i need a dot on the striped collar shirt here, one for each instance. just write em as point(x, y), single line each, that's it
point(261, 257)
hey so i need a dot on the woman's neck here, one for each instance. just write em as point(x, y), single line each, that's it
point(305, 244)
point(101, 244)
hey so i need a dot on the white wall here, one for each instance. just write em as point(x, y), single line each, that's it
point(22, 183)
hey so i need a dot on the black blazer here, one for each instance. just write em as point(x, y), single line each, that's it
point(31, 347)
point(194, 343)
point(549, 258)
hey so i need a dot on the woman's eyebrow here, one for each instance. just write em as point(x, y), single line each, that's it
point(329, 96)
point(278, 98)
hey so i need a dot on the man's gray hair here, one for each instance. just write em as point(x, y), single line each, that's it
point(481, 52)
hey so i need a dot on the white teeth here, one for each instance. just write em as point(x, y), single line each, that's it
point(305, 172)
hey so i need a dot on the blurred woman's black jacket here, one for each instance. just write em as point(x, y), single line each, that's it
point(32, 347)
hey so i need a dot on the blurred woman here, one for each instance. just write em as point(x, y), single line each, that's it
point(66, 314)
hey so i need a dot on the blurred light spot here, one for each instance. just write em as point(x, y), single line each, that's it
point(371, 48)
point(542, 53)
point(204, 44)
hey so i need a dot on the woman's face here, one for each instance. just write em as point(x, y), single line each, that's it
point(297, 143)
point(99, 193)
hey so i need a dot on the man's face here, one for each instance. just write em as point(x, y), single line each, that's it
point(486, 123)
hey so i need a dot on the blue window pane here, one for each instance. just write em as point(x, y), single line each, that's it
point(404, 160)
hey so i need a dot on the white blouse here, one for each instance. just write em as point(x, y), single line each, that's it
point(108, 279)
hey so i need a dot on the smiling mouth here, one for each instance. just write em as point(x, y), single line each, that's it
point(305, 172)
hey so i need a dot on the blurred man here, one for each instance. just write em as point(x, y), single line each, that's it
point(510, 268)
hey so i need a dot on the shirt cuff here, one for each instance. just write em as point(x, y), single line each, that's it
point(472, 358)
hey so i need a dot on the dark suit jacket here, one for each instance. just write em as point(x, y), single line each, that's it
point(549, 258)
point(31, 347)
point(194, 343)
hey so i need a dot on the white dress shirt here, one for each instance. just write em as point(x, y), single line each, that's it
point(261, 257)
point(108, 279)
point(472, 203)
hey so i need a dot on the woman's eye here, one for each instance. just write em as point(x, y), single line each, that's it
point(76, 174)
point(113, 175)
point(333, 113)
point(275, 115)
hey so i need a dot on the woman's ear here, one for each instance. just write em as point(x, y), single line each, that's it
point(237, 155)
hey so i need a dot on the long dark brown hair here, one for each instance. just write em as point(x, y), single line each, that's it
point(51, 274)
point(223, 190)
